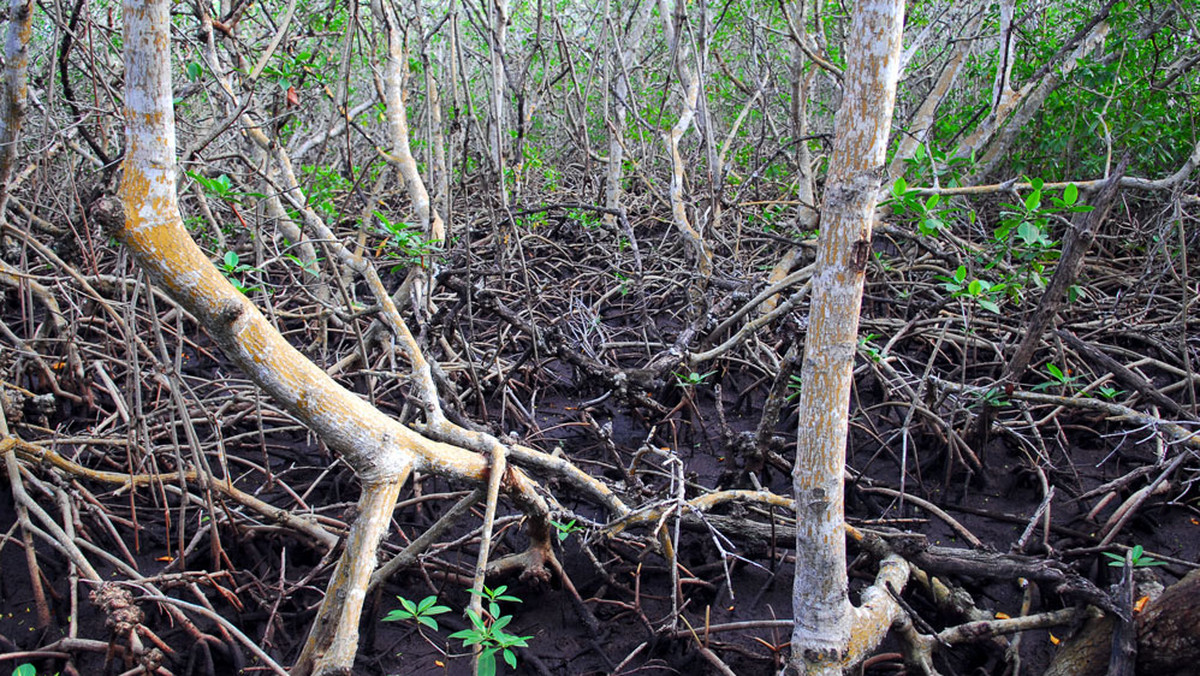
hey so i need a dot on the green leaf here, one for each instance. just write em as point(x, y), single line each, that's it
point(428, 622)
point(1058, 374)
point(476, 620)
point(520, 641)
point(960, 274)
point(468, 636)
point(989, 305)
point(932, 202)
point(194, 71)
point(25, 670)
point(899, 187)
point(1070, 194)
point(487, 662)
point(205, 182)
point(430, 609)
point(1028, 232)
point(231, 259)
point(510, 658)
point(975, 287)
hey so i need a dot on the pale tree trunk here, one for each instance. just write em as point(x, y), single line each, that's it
point(1003, 97)
point(1002, 85)
point(375, 445)
point(922, 120)
point(705, 123)
point(1031, 99)
point(626, 53)
point(12, 103)
point(394, 96)
point(824, 620)
point(677, 41)
point(436, 135)
point(807, 216)
point(1011, 108)
point(274, 205)
point(498, 14)
point(381, 451)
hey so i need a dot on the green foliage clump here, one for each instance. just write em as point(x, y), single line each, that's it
point(487, 628)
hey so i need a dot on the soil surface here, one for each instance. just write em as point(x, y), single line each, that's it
point(581, 287)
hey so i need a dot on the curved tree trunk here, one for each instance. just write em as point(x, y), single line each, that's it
point(382, 451)
point(825, 624)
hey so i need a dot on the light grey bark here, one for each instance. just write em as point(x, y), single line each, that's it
point(826, 625)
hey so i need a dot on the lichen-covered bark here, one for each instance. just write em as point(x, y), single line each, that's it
point(394, 97)
point(824, 620)
point(374, 444)
point(333, 641)
point(380, 450)
point(12, 99)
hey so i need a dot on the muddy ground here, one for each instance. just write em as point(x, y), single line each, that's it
point(592, 292)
